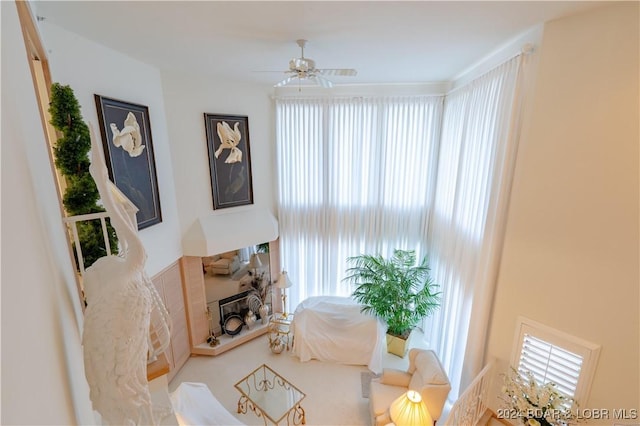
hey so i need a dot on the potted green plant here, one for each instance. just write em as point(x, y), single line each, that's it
point(397, 290)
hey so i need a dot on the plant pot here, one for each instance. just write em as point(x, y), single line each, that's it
point(397, 345)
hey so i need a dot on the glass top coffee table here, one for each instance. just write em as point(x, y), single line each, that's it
point(270, 396)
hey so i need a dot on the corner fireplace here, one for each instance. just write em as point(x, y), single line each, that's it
point(233, 305)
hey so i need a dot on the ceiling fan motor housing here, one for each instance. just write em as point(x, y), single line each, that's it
point(305, 69)
point(302, 64)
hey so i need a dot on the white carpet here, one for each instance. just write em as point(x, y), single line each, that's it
point(334, 391)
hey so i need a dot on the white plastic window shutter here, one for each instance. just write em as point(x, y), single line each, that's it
point(554, 356)
point(550, 363)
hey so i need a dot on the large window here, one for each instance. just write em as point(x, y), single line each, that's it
point(432, 174)
point(355, 176)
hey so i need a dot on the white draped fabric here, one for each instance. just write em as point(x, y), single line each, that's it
point(354, 176)
point(475, 167)
point(331, 328)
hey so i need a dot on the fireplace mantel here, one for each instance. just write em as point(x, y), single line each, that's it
point(221, 232)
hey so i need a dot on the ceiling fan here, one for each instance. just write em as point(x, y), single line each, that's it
point(305, 69)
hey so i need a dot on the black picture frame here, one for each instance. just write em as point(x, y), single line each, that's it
point(230, 162)
point(132, 170)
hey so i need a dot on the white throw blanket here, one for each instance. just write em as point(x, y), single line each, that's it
point(195, 405)
point(330, 328)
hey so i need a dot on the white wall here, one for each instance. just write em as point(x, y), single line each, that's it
point(187, 99)
point(571, 255)
point(90, 68)
point(572, 235)
point(42, 370)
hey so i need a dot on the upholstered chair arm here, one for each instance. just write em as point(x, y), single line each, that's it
point(435, 397)
point(394, 377)
point(413, 353)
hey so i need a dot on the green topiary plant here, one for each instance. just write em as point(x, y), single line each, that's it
point(397, 290)
point(71, 158)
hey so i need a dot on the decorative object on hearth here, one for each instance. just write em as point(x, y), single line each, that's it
point(397, 290)
point(254, 302)
point(231, 181)
point(284, 283)
point(410, 410)
point(264, 313)
point(233, 324)
point(212, 340)
point(250, 319)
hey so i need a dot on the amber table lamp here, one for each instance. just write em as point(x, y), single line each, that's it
point(410, 410)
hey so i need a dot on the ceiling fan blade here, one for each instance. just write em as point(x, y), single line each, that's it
point(349, 72)
point(323, 82)
point(284, 82)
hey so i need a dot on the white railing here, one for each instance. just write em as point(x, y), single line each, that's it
point(129, 208)
point(72, 224)
point(472, 404)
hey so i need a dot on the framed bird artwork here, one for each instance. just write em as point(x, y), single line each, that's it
point(229, 160)
point(128, 149)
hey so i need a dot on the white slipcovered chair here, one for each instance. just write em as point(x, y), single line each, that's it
point(333, 329)
point(425, 375)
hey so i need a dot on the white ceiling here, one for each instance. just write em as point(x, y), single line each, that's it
point(387, 42)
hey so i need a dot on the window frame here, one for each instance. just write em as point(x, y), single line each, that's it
point(42, 81)
point(590, 352)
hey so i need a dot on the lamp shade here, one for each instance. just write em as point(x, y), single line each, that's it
point(255, 261)
point(410, 410)
point(284, 281)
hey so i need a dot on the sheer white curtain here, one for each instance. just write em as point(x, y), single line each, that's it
point(475, 166)
point(355, 176)
point(370, 175)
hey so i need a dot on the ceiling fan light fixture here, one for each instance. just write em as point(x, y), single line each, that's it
point(305, 69)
